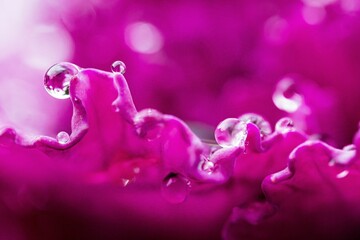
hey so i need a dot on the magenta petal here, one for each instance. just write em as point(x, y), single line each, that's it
point(313, 198)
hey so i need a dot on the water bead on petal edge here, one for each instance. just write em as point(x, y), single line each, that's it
point(284, 125)
point(263, 125)
point(118, 67)
point(57, 79)
point(63, 137)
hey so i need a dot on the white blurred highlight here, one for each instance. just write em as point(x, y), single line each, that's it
point(47, 44)
point(313, 15)
point(288, 104)
point(15, 18)
point(143, 37)
point(28, 47)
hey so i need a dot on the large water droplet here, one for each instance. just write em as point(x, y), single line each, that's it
point(63, 137)
point(284, 125)
point(263, 125)
point(118, 67)
point(57, 79)
point(231, 132)
point(175, 188)
point(286, 96)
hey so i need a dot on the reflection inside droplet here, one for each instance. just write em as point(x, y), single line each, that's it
point(263, 125)
point(175, 188)
point(148, 124)
point(231, 132)
point(118, 67)
point(57, 79)
point(63, 137)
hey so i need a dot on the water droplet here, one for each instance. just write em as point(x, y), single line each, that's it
point(118, 67)
point(148, 124)
point(63, 137)
point(207, 166)
point(263, 125)
point(57, 79)
point(286, 96)
point(231, 132)
point(175, 188)
point(284, 125)
point(116, 108)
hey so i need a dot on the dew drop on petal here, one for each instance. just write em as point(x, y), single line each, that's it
point(263, 125)
point(115, 108)
point(175, 188)
point(57, 79)
point(286, 96)
point(230, 132)
point(63, 137)
point(118, 67)
point(207, 166)
point(284, 125)
point(148, 124)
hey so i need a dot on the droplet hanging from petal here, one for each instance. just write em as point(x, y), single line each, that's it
point(175, 188)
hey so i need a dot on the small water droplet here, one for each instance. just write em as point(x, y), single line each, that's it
point(148, 124)
point(286, 96)
point(175, 188)
point(263, 125)
point(231, 132)
point(284, 125)
point(207, 166)
point(118, 67)
point(63, 137)
point(116, 108)
point(57, 79)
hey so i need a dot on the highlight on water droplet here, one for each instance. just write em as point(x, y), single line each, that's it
point(286, 96)
point(57, 79)
point(63, 137)
point(175, 188)
point(118, 67)
point(284, 125)
point(231, 132)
